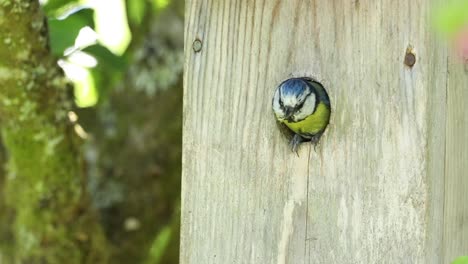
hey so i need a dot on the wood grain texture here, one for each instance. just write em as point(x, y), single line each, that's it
point(456, 178)
point(372, 191)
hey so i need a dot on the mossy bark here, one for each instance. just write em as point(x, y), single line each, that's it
point(53, 221)
point(6, 215)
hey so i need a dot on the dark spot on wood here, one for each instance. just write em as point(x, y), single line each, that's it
point(197, 45)
point(410, 57)
point(356, 4)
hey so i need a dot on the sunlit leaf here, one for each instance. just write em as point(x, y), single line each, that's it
point(53, 6)
point(85, 91)
point(63, 32)
point(85, 38)
point(136, 10)
point(85, 86)
point(159, 245)
point(111, 25)
point(109, 70)
point(160, 4)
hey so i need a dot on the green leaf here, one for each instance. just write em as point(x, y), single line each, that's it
point(112, 25)
point(63, 32)
point(109, 70)
point(461, 260)
point(106, 58)
point(86, 94)
point(136, 11)
point(54, 6)
point(161, 4)
point(159, 245)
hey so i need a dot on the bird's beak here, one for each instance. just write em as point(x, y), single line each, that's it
point(288, 113)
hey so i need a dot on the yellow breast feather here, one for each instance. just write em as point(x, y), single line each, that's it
point(313, 124)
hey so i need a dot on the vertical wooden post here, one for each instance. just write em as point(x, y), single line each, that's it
point(374, 189)
point(456, 171)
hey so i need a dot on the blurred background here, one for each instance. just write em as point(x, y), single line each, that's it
point(125, 61)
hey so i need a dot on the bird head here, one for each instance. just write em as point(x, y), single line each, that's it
point(294, 100)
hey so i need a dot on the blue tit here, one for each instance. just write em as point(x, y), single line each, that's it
point(303, 106)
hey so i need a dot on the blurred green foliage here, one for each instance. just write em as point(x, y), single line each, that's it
point(63, 32)
point(54, 7)
point(451, 17)
point(136, 11)
point(161, 3)
point(68, 18)
point(161, 242)
point(461, 260)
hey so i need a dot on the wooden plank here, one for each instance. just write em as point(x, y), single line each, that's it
point(373, 198)
point(368, 193)
point(456, 178)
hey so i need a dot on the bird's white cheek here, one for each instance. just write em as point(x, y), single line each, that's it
point(278, 112)
point(276, 106)
point(307, 109)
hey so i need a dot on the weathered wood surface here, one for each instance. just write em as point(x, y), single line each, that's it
point(456, 177)
point(373, 191)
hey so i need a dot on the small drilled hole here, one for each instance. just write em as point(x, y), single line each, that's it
point(197, 45)
point(410, 57)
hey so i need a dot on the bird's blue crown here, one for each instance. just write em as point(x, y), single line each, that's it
point(293, 87)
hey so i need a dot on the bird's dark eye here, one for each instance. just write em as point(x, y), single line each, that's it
point(281, 103)
point(300, 105)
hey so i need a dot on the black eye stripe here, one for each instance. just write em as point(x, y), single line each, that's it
point(302, 104)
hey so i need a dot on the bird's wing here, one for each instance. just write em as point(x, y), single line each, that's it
point(322, 94)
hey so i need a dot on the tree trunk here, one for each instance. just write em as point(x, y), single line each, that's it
point(53, 221)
